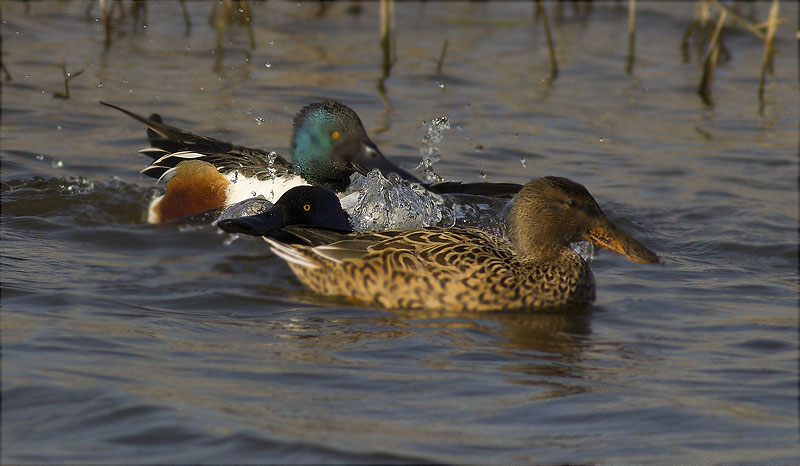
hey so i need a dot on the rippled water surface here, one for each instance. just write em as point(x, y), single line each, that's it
point(128, 342)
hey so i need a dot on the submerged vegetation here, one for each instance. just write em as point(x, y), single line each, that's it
point(67, 78)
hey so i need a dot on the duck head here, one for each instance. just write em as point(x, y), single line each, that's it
point(551, 212)
point(329, 144)
point(302, 205)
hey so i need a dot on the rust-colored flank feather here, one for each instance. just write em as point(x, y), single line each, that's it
point(196, 186)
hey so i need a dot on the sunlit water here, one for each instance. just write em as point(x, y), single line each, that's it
point(128, 342)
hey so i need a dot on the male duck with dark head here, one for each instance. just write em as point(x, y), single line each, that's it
point(310, 206)
point(329, 143)
point(467, 269)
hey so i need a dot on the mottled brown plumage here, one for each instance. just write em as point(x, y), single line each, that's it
point(467, 269)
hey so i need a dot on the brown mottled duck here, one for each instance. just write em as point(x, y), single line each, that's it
point(467, 269)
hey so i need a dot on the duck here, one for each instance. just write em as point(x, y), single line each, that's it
point(328, 144)
point(467, 269)
point(310, 206)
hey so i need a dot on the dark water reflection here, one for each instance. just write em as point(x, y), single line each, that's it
point(127, 342)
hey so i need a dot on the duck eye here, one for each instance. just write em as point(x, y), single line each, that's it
point(306, 207)
point(572, 203)
point(335, 135)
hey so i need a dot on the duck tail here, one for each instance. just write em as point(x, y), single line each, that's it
point(290, 254)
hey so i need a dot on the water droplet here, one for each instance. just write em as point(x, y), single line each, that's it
point(430, 153)
point(100, 84)
point(523, 162)
point(260, 121)
point(271, 170)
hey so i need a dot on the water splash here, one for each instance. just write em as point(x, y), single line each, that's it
point(381, 203)
point(271, 170)
point(252, 206)
point(430, 153)
point(75, 185)
point(377, 203)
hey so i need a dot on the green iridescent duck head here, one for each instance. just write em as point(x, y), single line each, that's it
point(329, 144)
point(551, 212)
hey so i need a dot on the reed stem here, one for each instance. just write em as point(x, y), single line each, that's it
point(769, 49)
point(186, 18)
point(541, 12)
point(387, 36)
point(631, 35)
point(441, 57)
point(710, 62)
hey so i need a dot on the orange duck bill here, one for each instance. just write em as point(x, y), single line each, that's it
point(607, 235)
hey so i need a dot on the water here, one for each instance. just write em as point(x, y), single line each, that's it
point(128, 342)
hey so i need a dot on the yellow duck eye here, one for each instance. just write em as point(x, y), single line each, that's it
point(307, 207)
point(335, 135)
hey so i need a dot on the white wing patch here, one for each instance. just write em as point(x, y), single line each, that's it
point(242, 188)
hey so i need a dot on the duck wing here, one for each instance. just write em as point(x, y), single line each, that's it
point(171, 145)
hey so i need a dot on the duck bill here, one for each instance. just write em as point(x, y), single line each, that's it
point(369, 157)
point(262, 224)
point(607, 235)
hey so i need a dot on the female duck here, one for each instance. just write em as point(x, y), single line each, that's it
point(467, 269)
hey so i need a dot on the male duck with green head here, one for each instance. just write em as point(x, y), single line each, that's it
point(329, 143)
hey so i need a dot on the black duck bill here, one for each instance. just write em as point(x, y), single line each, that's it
point(606, 234)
